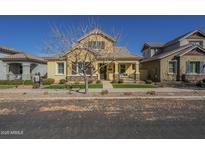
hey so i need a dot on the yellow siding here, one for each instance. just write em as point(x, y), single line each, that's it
point(52, 73)
point(109, 45)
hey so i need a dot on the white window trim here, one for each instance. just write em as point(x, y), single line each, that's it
point(169, 73)
point(194, 73)
point(57, 68)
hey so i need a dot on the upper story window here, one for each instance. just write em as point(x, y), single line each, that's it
point(96, 44)
point(199, 43)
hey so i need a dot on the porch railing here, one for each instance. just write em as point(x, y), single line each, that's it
point(14, 76)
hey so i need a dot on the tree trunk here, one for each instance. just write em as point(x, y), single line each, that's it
point(86, 84)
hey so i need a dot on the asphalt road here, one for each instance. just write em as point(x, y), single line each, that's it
point(116, 119)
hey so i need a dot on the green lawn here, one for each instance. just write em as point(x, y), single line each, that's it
point(132, 85)
point(6, 86)
point(66, 86)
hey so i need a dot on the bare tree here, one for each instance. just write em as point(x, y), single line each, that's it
point(83, 55)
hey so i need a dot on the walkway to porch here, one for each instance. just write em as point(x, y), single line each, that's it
point(107, 85)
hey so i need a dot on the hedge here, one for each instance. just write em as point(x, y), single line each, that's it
point(48, 81)
point(15, 82)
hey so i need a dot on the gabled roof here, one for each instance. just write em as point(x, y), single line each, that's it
point(8, 50)
point(168, 53)
point(152, 45)
point(97, 31)
point(21, 56)
point(183, 52)
point(119, 53)
point(184, 36)
point(161, 45)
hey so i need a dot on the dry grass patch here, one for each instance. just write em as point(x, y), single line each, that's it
point(6, 111)
point(65, 108)
point(151, 93)
point(128, 93)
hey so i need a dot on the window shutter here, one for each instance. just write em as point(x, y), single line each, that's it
point(176, 67)
point(187, 67)
point(201, 67)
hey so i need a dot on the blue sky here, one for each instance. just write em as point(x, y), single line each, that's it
point(27, 33)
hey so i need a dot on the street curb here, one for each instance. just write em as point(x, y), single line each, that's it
point(107, 98)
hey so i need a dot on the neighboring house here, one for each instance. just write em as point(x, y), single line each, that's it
point(180, 59)
point(15, 65)
point(126, 65)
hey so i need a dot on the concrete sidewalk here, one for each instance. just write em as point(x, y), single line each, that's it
point(30, 90)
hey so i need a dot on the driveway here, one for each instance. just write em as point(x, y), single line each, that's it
point(137, 118)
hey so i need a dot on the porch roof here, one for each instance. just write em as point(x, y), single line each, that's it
point(8, 50)
point(21, 56)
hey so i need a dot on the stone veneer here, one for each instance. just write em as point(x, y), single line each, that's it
point(190, 77)
point(78, 78)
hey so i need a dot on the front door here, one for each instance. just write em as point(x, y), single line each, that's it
point(103, 72)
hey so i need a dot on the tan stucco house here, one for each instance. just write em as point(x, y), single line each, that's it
point(102, 50)
point(182, 58)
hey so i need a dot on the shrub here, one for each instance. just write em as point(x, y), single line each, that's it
point(148, 81)
point(77, 82)
point(62, 81)
point(48, 81)
point(90, 81)
point(199, 83)
point(15, 82)
point(114, 81)
point(120, 81)
point(98, 81)
point(104, 92)
point(203, 80)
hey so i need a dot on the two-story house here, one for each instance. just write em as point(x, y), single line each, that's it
point(180, 59)
point(111, 62)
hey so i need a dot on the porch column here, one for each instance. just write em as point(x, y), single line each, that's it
point(26, 75)
point(116, 74)
point(4, 72)
point(97, 71)
point(137, 73)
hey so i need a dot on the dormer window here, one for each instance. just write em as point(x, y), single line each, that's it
point(198, 43)
point(96, 44)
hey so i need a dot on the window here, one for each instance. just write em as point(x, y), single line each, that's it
point(96, 44)
point(195, 67)
point(82, 67)
point(172, 67)
point(60, 67)
point(122, 68)
point(198, 43)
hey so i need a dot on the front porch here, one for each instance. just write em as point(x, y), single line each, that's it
point(126, 70)
point(19, 70)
